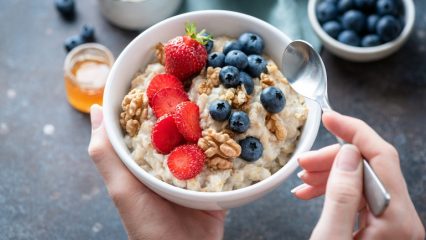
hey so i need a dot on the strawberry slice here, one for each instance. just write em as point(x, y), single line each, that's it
point(165, 136)
point(186, 161)
point(187, 119)
point(162, 81)
point(165, 100)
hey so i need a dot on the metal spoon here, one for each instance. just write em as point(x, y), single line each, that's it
point(304, 69)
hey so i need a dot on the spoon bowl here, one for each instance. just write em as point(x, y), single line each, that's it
point(304, 69)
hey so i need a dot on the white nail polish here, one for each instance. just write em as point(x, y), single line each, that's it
point(300, 174)
point(297, 188)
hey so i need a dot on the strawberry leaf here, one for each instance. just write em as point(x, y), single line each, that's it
point(201, 37)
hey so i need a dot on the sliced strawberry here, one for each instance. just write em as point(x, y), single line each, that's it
point(165, 136)
point(161, 81)
point(165, 100)
point(186, 161)
point(187, 119)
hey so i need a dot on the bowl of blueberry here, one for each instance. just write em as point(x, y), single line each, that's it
point(362, 30)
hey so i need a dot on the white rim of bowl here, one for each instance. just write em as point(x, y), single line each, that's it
point(409, 17)
point(203, 196)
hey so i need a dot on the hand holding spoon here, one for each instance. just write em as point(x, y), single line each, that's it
point(305, 71)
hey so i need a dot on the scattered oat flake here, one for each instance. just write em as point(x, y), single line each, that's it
point(11, 93)
point(4, 129)
point(97, 227)
point(48, 129)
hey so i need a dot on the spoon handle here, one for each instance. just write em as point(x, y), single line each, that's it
point(375, 193)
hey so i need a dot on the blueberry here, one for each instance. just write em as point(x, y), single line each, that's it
point(353, 20)
point(229, 76)
point(256, 65)
point(87, 33)
point(247, 81)
point(66, 8)
point(231, 45)
point(239, 122)
point(388, 28)
point(237, 59)
point(370, 40)
point(385, 7)
point(251, 43)
point(220, 110)
point(345, 5)
point(209, 44)
point(251, 149)
point(332, 28)
point(349, 37)
point(215, 59)
point(372, 22)
point(73, 42)
point(272, 99)
point(365, 5)
point(326, 11)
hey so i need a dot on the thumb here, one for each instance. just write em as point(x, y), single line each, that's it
point(342, 197)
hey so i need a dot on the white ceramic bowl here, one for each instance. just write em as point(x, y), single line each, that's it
point(140, 52)
point(137, 14)
point(363, 54)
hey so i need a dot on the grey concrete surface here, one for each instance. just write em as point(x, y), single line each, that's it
point(49, 188)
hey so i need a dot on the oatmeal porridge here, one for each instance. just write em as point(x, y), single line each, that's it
point(237, 153)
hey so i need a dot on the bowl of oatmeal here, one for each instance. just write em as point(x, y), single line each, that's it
point(220, 137)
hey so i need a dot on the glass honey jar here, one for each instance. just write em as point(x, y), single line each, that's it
point(86, 70)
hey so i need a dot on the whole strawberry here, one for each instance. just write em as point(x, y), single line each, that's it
point(186, 55)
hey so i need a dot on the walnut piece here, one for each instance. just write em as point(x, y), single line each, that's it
point(237, 97)
point(212, 80)
point(159, 53)
point(266, 81)
point(276, 126)
point(219, 148)
point(134, 111)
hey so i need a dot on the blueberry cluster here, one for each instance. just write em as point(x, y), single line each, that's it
point(364, 23)
point(239, 122)
point(86, 35)
point(240, 60)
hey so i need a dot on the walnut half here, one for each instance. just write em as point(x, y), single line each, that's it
point(276, 126)
point(212, 80)
point(220, 149)
point(134, 111)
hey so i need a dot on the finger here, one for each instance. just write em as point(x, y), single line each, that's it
point(319, 160)
point(116, 176)
point(343, 195)
point(307, 192)
point(362, 218)
point(314, 178)
point(382, 156)
point(357, 132)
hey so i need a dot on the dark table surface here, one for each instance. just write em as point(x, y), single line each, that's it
point(49, 188)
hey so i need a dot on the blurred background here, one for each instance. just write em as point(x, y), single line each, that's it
point(49, 188)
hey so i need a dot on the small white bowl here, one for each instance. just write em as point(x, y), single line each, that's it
point(140, 52)
point(363, 54)
point(137, 14)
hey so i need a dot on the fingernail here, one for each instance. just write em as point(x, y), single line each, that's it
point(297, 188)
point(348, 158)
point(95, 116)
point(300, 174)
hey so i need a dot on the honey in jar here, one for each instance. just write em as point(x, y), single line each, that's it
point(86, 70)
